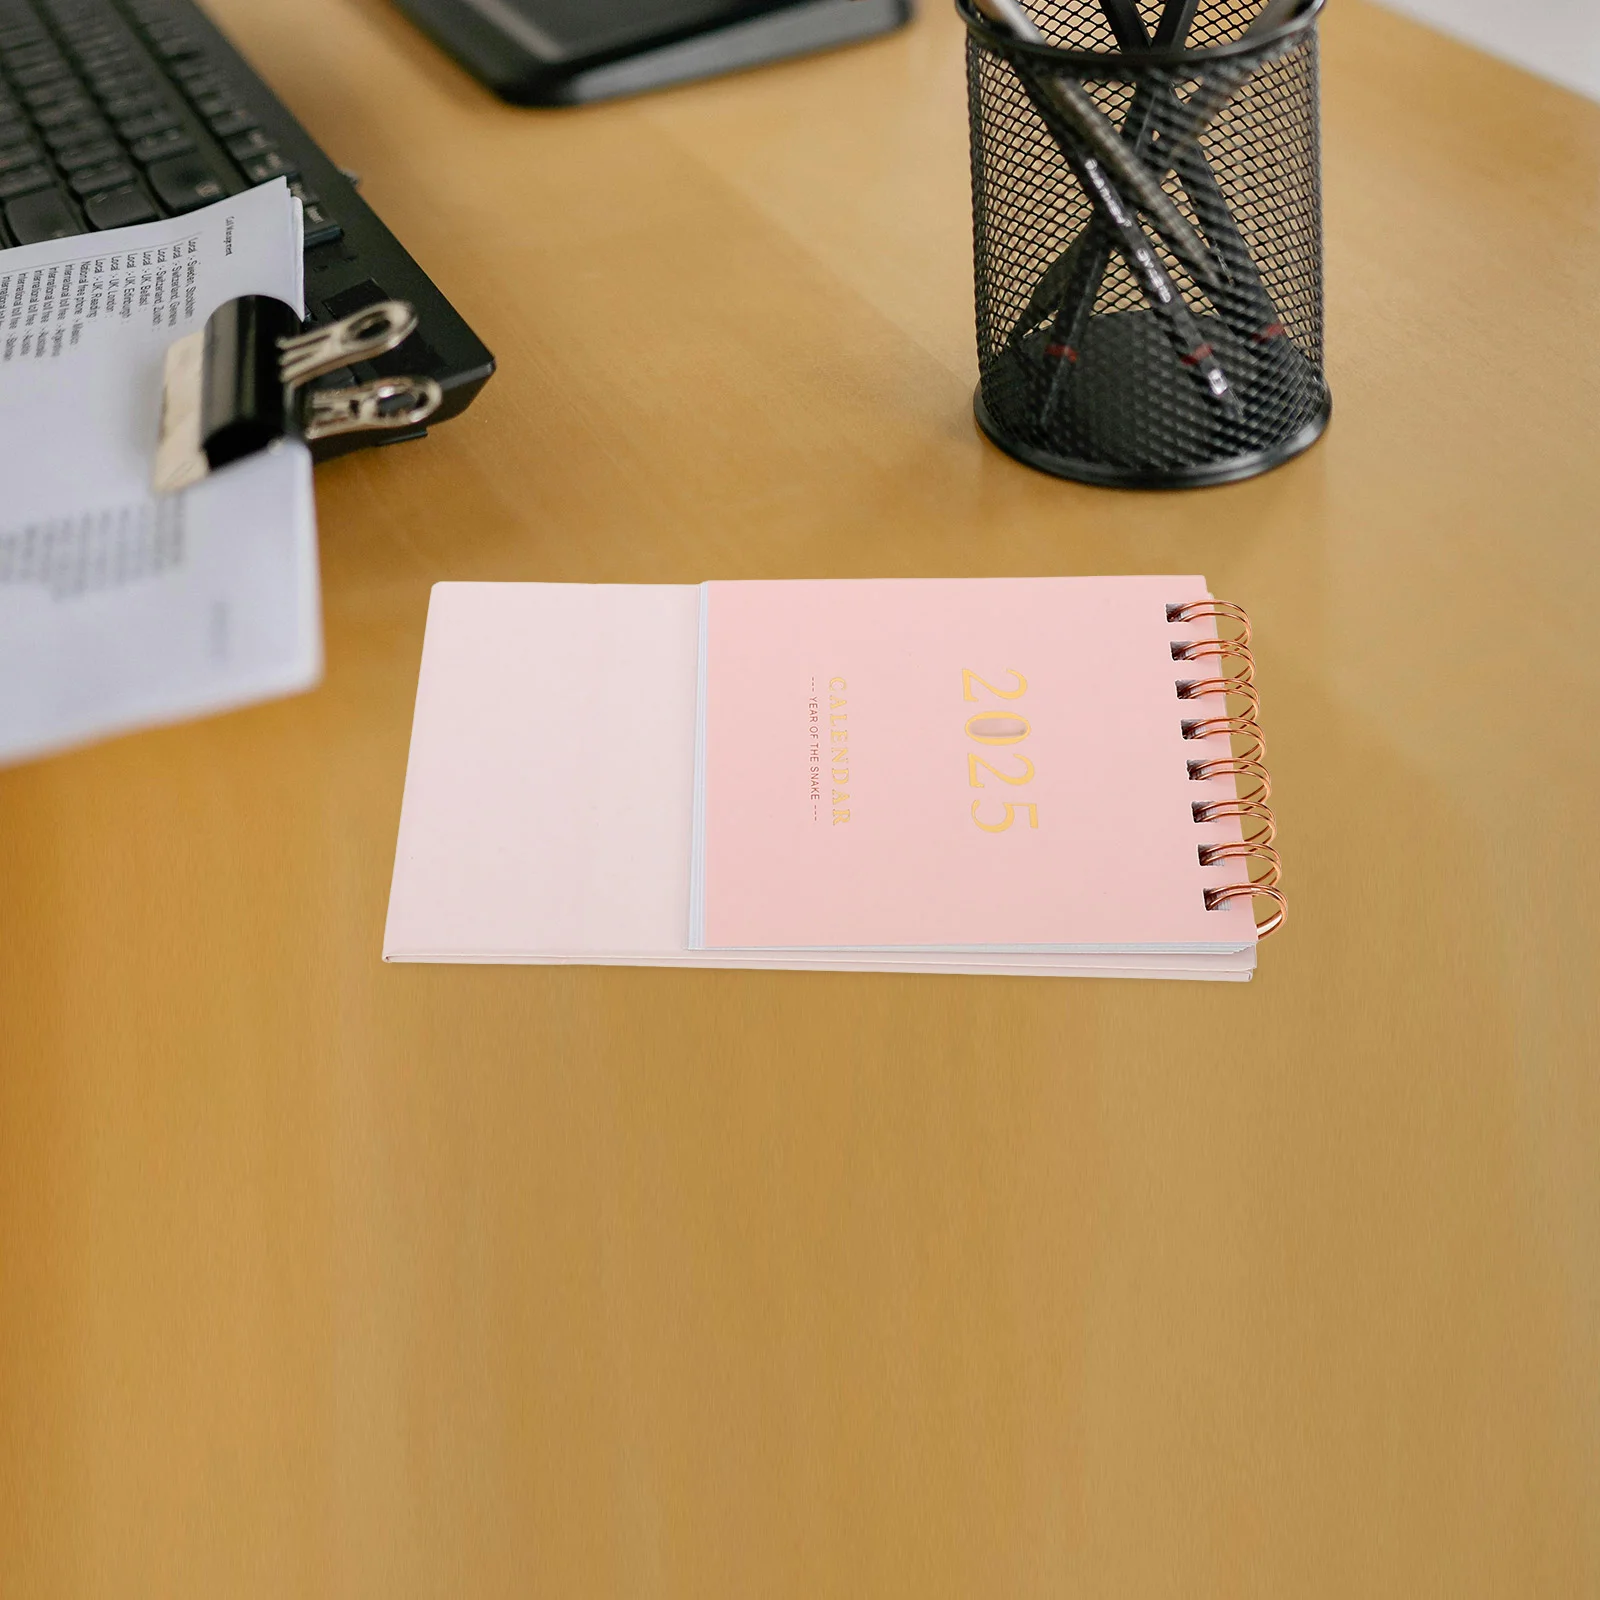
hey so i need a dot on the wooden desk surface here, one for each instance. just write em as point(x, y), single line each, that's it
point(322, 1278)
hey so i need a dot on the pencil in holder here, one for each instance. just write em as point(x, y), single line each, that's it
point(1147, 223)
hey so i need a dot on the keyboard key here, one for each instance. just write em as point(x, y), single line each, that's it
point(178, 48)
point(227, 123)
point(89, 155)
point(120, 208)
point(320, 227)
point(190, 69)
point(132, 105)
point(185, 182)
point(202, 86)
point(108, 175)
point(70, 134)
point(52, 94)
point(45, 72)
point(63, 112)
point(106, 54)
point(90, 38)
point(46, 215)
point(107, 58)
point(254, 143)
point(30, 55)
point(128, 83)
point(262, 169)
point(24, 180)
point(148, 122)
point(158, 146)
point(219, 104)
point(109, 69)
point(19, 155)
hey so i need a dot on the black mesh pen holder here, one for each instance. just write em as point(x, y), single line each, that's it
point(1148, 235)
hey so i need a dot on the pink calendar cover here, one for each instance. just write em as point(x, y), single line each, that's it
point(951, 764)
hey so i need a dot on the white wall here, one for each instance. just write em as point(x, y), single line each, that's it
point(1558, 39)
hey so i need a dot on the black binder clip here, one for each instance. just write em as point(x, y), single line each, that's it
point(239, 385)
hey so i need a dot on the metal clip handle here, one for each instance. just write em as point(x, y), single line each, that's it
point(372, 331)
point(371, 407)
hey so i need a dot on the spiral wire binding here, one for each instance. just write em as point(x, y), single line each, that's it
point(1257, 825)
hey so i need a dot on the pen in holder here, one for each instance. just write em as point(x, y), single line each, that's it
point(1147, 221)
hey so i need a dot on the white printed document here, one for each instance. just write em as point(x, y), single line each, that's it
point(118, 608)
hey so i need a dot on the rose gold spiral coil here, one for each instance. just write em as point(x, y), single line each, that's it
point(1241, 811)
point(1199, 687)
point(1243, 727)
point(1255, 849)
point(1220, 649)
point(1221, 610)
point(1203, 771)
point(1211, 854)
point(1217, 898)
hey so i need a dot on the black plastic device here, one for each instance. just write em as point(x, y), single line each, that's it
point(571, 52)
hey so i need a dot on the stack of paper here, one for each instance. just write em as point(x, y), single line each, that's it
point(119, 609)
point(987, 775)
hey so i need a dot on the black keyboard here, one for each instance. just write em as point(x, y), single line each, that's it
point(114, 112)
